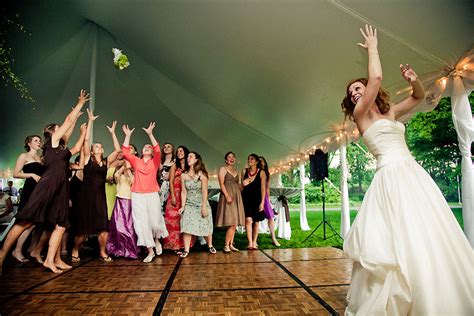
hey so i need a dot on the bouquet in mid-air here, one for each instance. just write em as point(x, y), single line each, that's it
point(120, 59)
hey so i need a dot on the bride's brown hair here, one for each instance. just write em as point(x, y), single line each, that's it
point(382, 100)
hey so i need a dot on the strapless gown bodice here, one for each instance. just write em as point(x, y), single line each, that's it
point(385, 139)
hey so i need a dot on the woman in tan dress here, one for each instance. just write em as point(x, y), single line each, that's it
point(230, 211)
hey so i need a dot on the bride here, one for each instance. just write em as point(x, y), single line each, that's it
point(410, 254)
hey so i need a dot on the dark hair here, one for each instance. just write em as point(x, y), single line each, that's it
point(257, 158)
point(48, 132)
point(93, 156)
point(176, 160)
point(28, 139)
point(199, 165)
point(382, 100)
point(163, 157)
point(228, 153)
point(265, 169)
point(136, 150)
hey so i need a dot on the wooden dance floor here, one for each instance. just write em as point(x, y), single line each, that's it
point(310, 281)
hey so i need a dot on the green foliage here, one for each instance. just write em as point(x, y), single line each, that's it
point(8, 26)
point(433, 142)
point(298, 235)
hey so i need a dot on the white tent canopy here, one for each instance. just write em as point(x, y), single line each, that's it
point(248, 76)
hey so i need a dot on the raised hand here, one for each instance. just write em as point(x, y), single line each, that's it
point(127, 131)
point(83, 97)
point(150, 128)
point(408, 73)
point(91, 116)
point(112, 128)
point(83, 128)
point(370, 36)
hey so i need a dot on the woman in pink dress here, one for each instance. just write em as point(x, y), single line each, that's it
point(172, 217)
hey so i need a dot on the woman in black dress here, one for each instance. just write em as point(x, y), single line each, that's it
point(253, 196)
point(92, 215)
point(29, 167)
point(48, 204)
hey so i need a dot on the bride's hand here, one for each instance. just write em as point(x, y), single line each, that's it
point(370, 36)
point(408, 73)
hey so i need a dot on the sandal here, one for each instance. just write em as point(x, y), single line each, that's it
point(212, 250)
point(232, 247)
point(75, 259)
point(105, 259)
point(226, 249)
point(184, 254)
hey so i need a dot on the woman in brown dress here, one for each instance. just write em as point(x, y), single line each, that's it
point(48, 204)
point(230, 210)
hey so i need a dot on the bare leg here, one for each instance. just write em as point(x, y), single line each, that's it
point(36, 253)
point(229, 235)
point(12, 237)
point(54, 242)
point(103, 236)
point(64, 244)
point(58, 262)
point(78, 241)
point(35, 237)
point(248, 230)
point(208, 239)
point(271, 225)
point(254, 234)
point(18, 252)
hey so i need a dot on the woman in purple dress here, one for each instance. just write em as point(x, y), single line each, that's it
point(122, 240)
point(267, 207)
point(48, 204)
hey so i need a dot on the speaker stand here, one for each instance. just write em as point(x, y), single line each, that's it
point(324, 222)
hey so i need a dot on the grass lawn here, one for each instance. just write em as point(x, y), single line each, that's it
point(297, 235)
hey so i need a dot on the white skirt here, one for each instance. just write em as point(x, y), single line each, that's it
point(148, 221)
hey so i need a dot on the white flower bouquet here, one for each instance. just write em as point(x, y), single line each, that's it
point(120, 59)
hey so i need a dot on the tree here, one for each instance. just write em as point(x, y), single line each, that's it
point(9, 26)
point(361, 167)
point(433, 142)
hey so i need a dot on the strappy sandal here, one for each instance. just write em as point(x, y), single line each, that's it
point(232, 247)
point(212, 250)
point(75, 259)
point(105, 259)
point(184, 254)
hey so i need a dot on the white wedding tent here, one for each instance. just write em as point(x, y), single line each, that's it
point(249, 76)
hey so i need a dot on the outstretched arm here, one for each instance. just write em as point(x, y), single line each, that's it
point(417, 95)
point(114, 154)
point(374, 73)
point(154, 143)
point(87, 139)
point(70, 120)
point(80, 142)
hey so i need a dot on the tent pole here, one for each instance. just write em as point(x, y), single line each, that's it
point(345, 216)
point(464, 125)
point(93, 74)
point(303, 219)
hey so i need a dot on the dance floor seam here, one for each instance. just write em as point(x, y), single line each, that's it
point(304, 286)
point(303, 281)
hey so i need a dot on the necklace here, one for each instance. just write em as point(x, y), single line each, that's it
point(251, 175)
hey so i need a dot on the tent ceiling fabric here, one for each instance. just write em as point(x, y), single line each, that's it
point(247, 76)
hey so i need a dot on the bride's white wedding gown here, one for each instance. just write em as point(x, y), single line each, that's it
point(410, 254)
